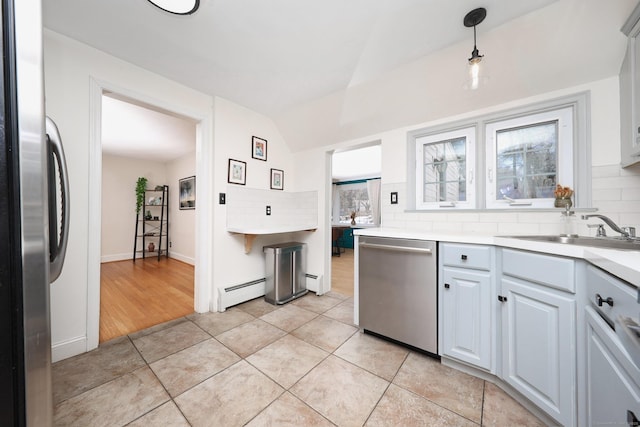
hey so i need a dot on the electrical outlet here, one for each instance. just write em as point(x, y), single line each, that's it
point(394, 197)
point(223, 198)
point(170, 244)
point(268, 210)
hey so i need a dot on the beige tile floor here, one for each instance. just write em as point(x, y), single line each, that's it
point(301, 364)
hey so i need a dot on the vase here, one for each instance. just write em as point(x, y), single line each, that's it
point(562, 202)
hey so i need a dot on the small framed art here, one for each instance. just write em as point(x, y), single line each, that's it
point(237, 172)
point(277, 179)
point(259, 148)
point(187, 187)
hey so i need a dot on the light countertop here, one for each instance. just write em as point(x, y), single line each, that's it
point(622, 263)
point(269, 230)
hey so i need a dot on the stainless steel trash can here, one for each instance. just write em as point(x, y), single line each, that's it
point(285, 272)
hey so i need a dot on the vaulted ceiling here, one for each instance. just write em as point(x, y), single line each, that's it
point(333, 70)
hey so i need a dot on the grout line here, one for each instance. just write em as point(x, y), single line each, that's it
point(484, 389)
point(171, 399)
point(285, 390)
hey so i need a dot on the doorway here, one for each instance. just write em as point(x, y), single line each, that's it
point(355, 203)
point(203, 270)
point(139, 140)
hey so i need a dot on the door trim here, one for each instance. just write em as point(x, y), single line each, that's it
point(203, 300)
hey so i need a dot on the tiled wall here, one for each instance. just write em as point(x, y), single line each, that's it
point(616, 194)
point(246, 209)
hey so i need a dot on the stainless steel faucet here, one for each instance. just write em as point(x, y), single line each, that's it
point(628, 232)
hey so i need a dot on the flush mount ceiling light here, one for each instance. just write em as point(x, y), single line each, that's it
point(471, 19)
point(177, 7)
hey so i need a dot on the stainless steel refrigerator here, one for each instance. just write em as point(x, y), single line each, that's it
point(34, 220)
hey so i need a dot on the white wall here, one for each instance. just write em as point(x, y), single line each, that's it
point(69, 68)
point(119, 177)
point(234, 127)
point(182, 222)
point(615, 191)
point(546, 50)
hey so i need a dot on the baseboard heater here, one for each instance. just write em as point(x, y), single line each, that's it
point(315, 283)
point(237, 294)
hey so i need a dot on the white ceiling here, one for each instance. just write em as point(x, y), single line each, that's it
point(273, 55)
point(335, 70)
point(359, 163)
point(138, 131)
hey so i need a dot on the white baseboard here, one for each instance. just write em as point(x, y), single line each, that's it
point(183, 258)
point(117, 257)
point(127, 256)
point(65, 349)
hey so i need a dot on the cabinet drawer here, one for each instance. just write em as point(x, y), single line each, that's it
point(466, 256)
point(555, 272)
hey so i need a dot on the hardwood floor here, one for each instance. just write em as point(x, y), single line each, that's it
point(135, 296)
point(342, 273)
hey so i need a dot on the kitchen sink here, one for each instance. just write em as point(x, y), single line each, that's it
point(600, 242)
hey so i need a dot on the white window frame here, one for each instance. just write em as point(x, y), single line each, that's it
point(574, 153)
point(469, 133)
point(564, 172)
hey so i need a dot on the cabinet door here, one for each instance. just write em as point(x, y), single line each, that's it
point(626, 106)
point(538, 338)
point(467, 316)
point(635, 140)
point(614, 399)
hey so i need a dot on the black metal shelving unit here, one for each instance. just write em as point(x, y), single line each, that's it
point(156, 228)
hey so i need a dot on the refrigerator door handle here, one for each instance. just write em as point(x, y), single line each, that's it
point(57, 243)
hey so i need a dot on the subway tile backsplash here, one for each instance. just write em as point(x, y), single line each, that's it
point(615, 193)
point(246, 209)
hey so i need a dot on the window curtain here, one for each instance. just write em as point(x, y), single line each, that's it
point(335, 208)
point(373, 189)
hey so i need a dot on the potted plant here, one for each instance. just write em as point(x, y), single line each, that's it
point(141, 187)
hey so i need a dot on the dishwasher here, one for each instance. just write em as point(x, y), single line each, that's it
point(398, 290)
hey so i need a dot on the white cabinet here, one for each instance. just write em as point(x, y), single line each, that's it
point(613, 397)
point(630, 92)
point(539, 333)
point(466, 304)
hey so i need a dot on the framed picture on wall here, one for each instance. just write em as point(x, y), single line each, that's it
point(277, 179)
point(187, 196)
point(237, 172)
point(259, 148)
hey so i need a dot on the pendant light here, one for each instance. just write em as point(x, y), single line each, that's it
point(472, 19)
point(177, 7)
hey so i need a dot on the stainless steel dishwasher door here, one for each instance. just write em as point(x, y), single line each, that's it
point(398, 290)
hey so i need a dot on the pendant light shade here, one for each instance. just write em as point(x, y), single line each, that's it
point(178, 7)
point(472, 19)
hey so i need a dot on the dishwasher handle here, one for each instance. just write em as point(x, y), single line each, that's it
point(393, 248)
